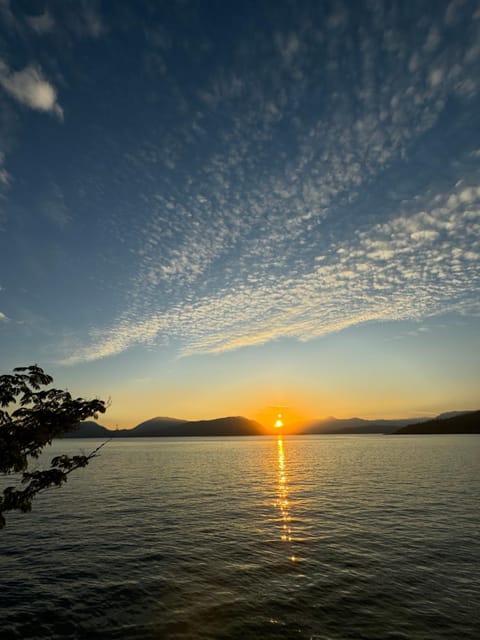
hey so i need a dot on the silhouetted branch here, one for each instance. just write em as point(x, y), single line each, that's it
point(39, 417)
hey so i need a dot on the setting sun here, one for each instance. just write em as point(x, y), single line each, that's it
point(279, 421)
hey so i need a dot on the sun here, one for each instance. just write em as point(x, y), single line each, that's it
point(279, 421)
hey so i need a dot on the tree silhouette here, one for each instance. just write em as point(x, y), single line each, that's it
point(38, 416)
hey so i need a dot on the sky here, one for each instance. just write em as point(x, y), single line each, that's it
point(212, 208)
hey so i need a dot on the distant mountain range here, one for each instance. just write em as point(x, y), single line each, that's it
point(333, 425)
point(168, 427)
point(458, 423)
point(154, 427)
point(231, 426)
point(450, 422)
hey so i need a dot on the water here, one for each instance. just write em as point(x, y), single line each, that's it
point(322, 537)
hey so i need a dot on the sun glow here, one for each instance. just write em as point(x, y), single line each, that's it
point(279, 421)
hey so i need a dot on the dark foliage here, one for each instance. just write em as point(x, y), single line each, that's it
point(38, 416)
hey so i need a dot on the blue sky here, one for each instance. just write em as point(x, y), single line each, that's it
point(208, 205)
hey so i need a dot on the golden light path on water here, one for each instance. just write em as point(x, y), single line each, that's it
point(283, 502)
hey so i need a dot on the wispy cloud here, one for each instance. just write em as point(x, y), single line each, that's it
point(4, 175)
point(85, 20)
point(42, 23)
point(53, 207)
point(29, 87)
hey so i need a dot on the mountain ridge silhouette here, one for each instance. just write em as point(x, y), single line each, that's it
point(240, 426)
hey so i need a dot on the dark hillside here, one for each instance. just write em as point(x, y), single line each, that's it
point(466, 423)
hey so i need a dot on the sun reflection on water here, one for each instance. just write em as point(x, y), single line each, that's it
point(283, 502)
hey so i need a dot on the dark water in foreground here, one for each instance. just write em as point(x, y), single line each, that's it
point(308, 537)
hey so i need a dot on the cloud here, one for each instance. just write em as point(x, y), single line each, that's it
point(410, 267)
point(4, 175)
point(53, 207)
point(3, 317)
point(84, 20)
point(303, 210)
point(6, 13)
point(43, 23)
point(29, 87)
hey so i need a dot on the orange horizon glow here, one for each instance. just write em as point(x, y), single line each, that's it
point(131, 407)
point(261, 397)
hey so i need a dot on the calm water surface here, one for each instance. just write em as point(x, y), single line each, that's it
point(322, 537)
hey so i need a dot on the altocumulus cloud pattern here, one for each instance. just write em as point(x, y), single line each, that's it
point(270, 173)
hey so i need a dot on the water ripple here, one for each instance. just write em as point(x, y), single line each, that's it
point(314, 537)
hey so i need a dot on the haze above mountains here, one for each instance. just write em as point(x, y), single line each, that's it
point(451, 422)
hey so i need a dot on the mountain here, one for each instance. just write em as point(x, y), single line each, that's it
point(159, 426)
point(450, 422)
point(451, 414)
point(333, 425)
point(168, 427)
point(464, 423)
point(231, 426)
point(89, 429)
